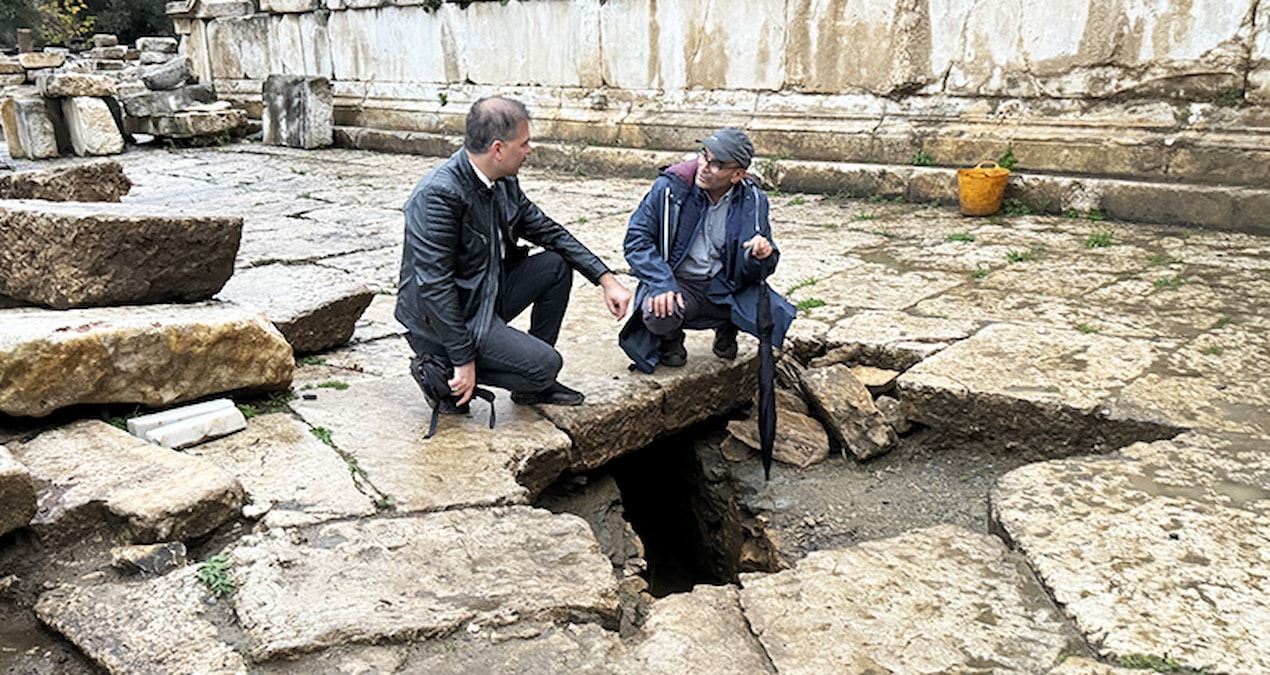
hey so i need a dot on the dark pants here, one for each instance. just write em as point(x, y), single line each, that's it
point(698, 312)
point(511, 359)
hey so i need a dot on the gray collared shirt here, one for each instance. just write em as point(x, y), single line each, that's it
point(705, 255)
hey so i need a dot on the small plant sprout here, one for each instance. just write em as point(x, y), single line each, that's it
point(981, 271)
point(960, 236)
point(1088, 329)
point(1100, 237)
point(797, 201)
point(1212, 350)
point(809, 303)
point(214, 573)
point(808, 281)
point(323, 434)
point(922, 158)
point(311, 360)
point(865, 216)
point(1007, 160)
point(1223, 321)
point(1016, 207)
point(1165, 283)
point(1161, 258)
point(1019, 256)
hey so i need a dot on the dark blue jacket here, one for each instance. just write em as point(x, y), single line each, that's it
point(659, 236)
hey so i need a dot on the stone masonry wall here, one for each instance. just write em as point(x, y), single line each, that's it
point(1167, 90)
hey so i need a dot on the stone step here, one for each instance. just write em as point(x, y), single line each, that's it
point(315, 307)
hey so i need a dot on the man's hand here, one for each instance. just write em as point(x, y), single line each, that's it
point(464, 382)
point(759, 247)
point(616, 297)
point(664, 305)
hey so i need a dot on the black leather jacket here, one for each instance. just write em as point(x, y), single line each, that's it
point(450, 218)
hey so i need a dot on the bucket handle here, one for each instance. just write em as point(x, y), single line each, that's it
point(987, 164)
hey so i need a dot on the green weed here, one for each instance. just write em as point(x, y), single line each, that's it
point(332, 384)
point(1212, 350)
point(1166, 283)
point(865, 216)
point(981, 271)
point(1100, 237)
point(797, 201)
point(311, 360)
point(443, 98)
point(304, 195)
point(960, 236)
point(809, 303)
point(809, 281)
point(1016, 207)
point(1223, 321)
point(1160, 258)
point(323, 434)
point(922, 158)
point(1007, 160)
point(1095, 215)
point(581, 220)
point(214, 573)
point(248, 410)
point(1019, 256)
point(1232, 97)
point(1088, 329)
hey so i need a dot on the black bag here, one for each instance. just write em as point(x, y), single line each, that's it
point(433, 373)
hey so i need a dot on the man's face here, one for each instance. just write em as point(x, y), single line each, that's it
point(510, 155)
point(716, 176)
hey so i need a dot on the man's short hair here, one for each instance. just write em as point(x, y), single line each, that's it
point(493, 118)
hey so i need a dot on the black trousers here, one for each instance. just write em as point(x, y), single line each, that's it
point(697, 312)
point(509, 358)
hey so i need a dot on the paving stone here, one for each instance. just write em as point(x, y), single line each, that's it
point(465, 464)
point(941, 599)
point(1159, 549)
point(290, 477)
point(156, 355)
point(17, 493)
point(897, 340)
point(316, 308)
point(92, 126)
point(97, 181)
point(152, 627)
point(298, 111)
point(702, 631)
point(92, 477)
point(437, 572)
point(68, 254)
point(1043, 380)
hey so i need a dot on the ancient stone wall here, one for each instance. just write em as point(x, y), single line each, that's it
point(1164, 90)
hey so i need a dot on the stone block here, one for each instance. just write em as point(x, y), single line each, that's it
point(149, 559)
point(169, 75)
point(31, 118)
point(142, 425)
point(116, 52)
point(197, 429)
point(34, 60)
point(189, 124)
point(316, 308)
point(109, 65)
point(216, 9)
point(9, 124)
point(92, 127)
point(60, 83)
point(162, 45)
point(26, 41)
point(153, 58)
point(99, 181)
point(290, 6)
point(105, 40)
point(17, 494)
point(168, 102)
point(298, 111)
point(70, 254)
point(96, 478)
point(12, 80)
point(10, 66)
point(153, 355)
point(847, 408)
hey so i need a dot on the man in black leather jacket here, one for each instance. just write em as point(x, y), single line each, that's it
point(463, 276)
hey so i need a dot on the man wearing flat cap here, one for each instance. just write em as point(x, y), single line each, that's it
point(700, 245)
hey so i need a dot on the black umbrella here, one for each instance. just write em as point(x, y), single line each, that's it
point(766, 378)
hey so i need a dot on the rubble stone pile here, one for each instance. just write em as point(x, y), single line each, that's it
point(57, 102)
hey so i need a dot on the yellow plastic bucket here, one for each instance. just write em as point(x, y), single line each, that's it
point(980, 189)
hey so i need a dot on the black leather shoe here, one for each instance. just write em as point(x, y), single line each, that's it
point(725, 342)
point(556, 394)
point(672, 353)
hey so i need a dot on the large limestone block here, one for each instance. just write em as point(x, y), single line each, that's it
point(36, 60)
point(465, 464)
point(61, 83)
point(93, 477)
point(298, 111)
point(33, 123)
point(17, 494)
point(1035, 381)
point(936, 600)
point(97, 181)
point(155, 355)
point(847, 408)
point(92, 126)
point(162, 45)
point(158, 625)
point(699, 632)
point(398, 578)
point(1157, 549)
point(9, 125)
point(70, 254)
point(800, 440)
point(167, 102)
point(169, 75)
point(315, 307)
point(290, 477)
point(190, 123)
